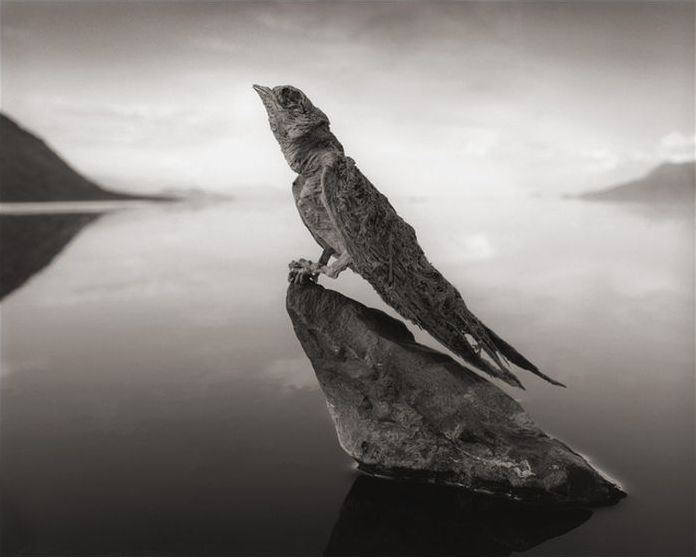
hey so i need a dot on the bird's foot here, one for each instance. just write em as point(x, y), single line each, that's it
point(303, 271)
point(333, 272)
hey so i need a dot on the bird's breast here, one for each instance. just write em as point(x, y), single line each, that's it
point(310, 204)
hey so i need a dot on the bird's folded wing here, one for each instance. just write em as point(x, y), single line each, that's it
point(385, 251)
point(297, 185)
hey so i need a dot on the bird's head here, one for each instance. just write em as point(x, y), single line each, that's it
point(290, 113)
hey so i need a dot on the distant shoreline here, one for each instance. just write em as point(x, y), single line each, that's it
point(86, 206)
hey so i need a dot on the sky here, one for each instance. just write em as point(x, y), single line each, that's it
point(430, 99)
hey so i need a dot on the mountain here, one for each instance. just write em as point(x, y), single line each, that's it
point(669, 183)
point(31, 171)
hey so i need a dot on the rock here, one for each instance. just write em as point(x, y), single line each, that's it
point(403, 410)
point(381, 517)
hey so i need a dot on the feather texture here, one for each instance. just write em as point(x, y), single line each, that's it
point(345, 212)
point(385, 251)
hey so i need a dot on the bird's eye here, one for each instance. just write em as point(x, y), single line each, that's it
point(290, 98)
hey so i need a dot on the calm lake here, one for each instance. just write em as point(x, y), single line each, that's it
point(155, 401)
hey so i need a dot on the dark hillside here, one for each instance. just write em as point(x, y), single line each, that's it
point(31, 171)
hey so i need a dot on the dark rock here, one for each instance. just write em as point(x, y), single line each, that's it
point(380, 517)
point(403, 410)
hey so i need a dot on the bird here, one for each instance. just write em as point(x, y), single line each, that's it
point(357, 226)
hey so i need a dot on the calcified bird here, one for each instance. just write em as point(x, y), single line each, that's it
point(356, 224)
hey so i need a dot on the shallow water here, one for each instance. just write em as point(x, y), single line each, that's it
point(155, 400)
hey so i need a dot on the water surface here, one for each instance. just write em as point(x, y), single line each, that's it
point(154, 399)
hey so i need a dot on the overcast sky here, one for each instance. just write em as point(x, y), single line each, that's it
point(428, 98)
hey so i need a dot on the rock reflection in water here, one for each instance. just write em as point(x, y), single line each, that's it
point(386, 517)
point(28, 243)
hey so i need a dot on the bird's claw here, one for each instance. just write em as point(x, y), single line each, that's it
point(303, 271)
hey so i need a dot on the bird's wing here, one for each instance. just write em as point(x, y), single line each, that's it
point(296, 187)
point(385, 252)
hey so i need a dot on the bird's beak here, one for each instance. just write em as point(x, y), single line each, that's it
point(267, 98)
point(265, 93)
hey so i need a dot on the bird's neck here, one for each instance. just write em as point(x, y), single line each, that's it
point(306, 153)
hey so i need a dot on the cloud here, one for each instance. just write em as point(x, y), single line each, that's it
point(151, 126)
point(672, 147)
point(216, 44)
point(8, 368)
point(602, 160)
point(476, 247)
point(137, 113)
point(677, 147)
point(13, 33)
point(292, 373)
point(477, 143)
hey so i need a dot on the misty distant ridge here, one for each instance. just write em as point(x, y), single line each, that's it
point(195, 193)
point(31, 171)
point(673, 183)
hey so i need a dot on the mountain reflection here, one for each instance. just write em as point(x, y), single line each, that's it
point(28, 243)
point(386, 517)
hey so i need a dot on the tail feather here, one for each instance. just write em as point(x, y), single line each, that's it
point(460, 346)
point(470, 339)
point(439, 309)
point(456, 339)
point(516, 358)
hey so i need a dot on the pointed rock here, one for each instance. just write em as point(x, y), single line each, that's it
point(403, 410)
